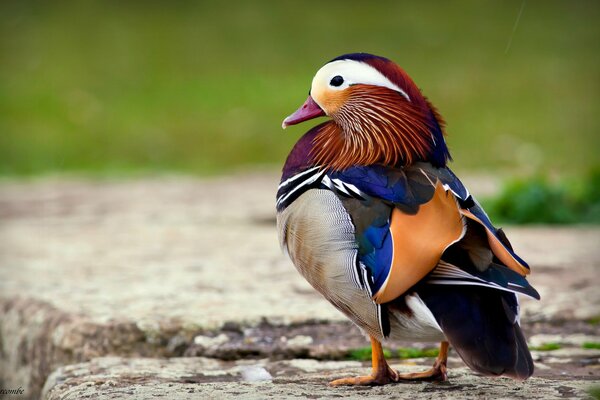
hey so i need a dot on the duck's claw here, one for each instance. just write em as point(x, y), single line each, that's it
point(437, 373)
point(379, 377)
point(382, 374)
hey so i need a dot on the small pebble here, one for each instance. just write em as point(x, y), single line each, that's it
point(255, 373)
point(300, 341)
point(207, 341)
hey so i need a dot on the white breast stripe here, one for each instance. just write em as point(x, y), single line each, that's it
point(340, 186)
point(327, 182)
point(298, 176)
point(308, 181)
point(348, 189)
point(353, 189)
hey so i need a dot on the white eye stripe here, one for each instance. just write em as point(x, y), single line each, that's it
point(353, 72)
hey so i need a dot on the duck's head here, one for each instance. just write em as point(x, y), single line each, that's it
point(378, 115)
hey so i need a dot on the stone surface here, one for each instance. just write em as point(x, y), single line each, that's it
point(201, 378)
point(182, 267)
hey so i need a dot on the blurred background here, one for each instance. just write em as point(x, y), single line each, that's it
point(112, 88)
point(140, 152)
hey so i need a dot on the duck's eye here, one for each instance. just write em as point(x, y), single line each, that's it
point(336, 81)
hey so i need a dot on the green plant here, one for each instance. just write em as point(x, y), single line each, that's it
point(411, 352)
point(591, 345)
point(537, 200)
point(364, 354)
point(594, 392)
point(546, 347)
point(593, 320)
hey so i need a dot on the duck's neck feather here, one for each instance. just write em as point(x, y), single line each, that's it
point(335, 146)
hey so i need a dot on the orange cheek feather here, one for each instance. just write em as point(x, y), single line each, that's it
point(330, 100)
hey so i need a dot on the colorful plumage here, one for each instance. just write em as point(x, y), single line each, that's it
point(374, 220)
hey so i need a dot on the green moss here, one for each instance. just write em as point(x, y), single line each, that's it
point(411, 352)
point(594, 392)
point(591, 345)
point(546, 347)
point(594, 320)
point(364, 354)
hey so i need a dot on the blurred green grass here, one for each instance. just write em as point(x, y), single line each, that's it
point(111, 87)
point(537, 199)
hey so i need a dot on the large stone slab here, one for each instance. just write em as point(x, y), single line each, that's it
point(177, 266)
point(200, 378)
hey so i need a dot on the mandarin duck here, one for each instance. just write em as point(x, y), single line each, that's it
point(375, 221)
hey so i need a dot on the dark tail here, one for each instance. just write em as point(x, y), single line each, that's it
point(482, 326)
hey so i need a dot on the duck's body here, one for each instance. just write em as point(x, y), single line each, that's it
point(374, 220)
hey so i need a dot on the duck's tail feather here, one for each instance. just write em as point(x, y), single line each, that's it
point(482, 325)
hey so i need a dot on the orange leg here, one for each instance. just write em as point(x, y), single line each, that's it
point(436, 373)
point(382, 374)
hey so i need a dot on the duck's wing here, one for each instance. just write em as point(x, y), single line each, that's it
point(406, 219)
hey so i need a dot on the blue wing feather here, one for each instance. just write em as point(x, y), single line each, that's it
point(376, 181)
point(391, 185)
point(379, 260)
